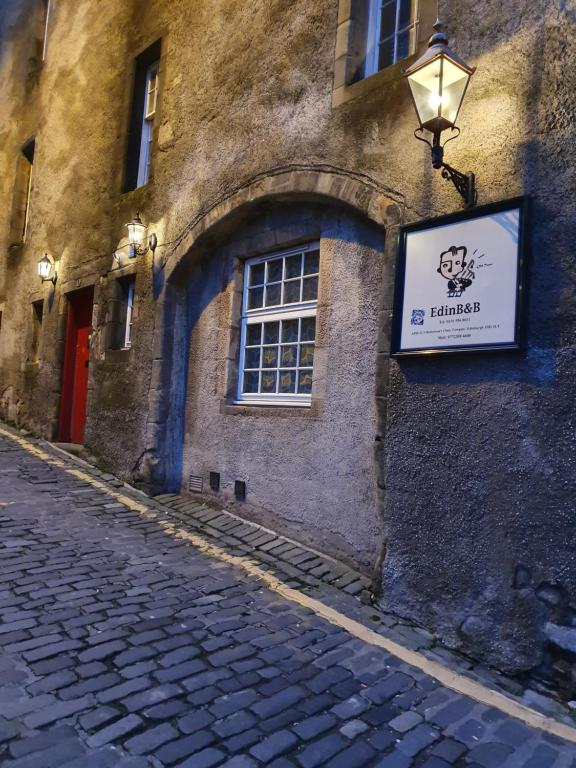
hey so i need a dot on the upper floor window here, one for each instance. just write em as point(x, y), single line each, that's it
point(22, 191)
point(390, 25)
point(279, 327)
point(121, 312)
point(144, 103)
point(46, 8)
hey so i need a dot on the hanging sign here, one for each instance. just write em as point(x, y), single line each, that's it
point(459, 282)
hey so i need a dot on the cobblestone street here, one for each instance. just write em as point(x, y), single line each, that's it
point(123, 645)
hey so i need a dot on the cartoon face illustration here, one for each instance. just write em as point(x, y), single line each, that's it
point(454, 268)
point(452, 262)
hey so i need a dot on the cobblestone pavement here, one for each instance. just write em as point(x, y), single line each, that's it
point(123, 646)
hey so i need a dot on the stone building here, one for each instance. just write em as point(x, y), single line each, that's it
point(269, 148)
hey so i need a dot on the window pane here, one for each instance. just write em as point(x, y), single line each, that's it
point(287, 381)
point(308, 329)
point(292, 291)
point(274, 269)
point(388, 24)
point(288, 356)
point(273, 294)
point(405, 13)
point(254, 334)
point(386, 53)
point(252, 358)
point(256, 274)
point(307, 355)
point(294, 266)
point(271, 333)
point(311, 262)
point(268, 381)
point(305, 382)
point(251, 381)
point(289, 330)
point(403, 45)
point(270, 357)
point(310, 289)
point(255, 298)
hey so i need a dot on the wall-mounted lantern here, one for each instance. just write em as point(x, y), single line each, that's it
point(438, 83)
point(137, 237)
point(47, 269)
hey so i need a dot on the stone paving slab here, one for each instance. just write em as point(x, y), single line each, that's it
point(124, 646)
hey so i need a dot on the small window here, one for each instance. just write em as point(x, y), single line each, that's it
point(129, 315)
point(22, 191)
point(121, 313)
point(390, 32)
point(46, 8)
point(144, 102)
point(279, 327)
point(37, 315)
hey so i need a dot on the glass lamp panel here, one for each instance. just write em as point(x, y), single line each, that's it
point(454, 82)
point(425, 85)
point(44, 268)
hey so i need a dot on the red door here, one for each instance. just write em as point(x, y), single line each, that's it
point(75, 370)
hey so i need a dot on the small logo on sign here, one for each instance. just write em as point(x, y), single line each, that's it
point(417, 317)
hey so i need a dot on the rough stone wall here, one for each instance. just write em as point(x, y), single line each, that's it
point(476, 507)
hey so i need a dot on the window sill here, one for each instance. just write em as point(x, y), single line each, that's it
point(360, 88)
point(311, 410)
point(118, 355)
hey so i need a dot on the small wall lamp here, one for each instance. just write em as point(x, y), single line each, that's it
point(438, 81)
point(47, 269)
point(137, 237)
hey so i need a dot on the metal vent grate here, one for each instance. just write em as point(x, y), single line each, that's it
point(195, 484)
point(215, 481)
point(240, 490)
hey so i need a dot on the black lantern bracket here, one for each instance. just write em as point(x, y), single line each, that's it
point(465, 183)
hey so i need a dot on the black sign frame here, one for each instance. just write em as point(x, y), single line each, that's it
point(518, 344)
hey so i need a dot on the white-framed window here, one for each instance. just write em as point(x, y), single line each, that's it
point(28, 166)
point(129, 286)
point(148, 114)
point(47, 7)
point(390, 35)
point(278, 331)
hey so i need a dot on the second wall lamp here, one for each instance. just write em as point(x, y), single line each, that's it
point(438, 81)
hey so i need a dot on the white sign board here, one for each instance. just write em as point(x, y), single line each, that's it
point(459, 282)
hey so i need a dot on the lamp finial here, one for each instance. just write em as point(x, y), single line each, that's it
point(439, 37)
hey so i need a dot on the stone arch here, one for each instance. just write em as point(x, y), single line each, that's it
point(314, 183)
point(159, 467)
